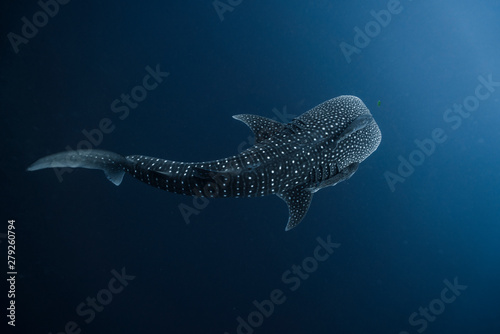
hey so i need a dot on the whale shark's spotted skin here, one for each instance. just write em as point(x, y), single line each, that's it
point(320, 148)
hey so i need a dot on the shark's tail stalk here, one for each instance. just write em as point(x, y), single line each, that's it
point(112, 164)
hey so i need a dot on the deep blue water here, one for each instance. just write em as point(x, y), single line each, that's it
point(399, 245)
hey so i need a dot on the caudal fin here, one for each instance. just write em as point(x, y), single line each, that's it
point(112, 164)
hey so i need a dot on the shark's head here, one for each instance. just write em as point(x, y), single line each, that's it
point(361, 135)
point(347, 126)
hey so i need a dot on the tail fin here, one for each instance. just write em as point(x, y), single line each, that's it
point(112, 164)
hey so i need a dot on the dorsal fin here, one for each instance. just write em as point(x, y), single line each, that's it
point(263, 128)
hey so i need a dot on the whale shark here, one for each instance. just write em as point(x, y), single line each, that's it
point(320, 148)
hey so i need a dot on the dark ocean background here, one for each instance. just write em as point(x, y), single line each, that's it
point(398, 246)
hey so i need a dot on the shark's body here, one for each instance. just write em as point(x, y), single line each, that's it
point(320, 148)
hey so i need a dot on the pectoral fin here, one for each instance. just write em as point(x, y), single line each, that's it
point(298, 201)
